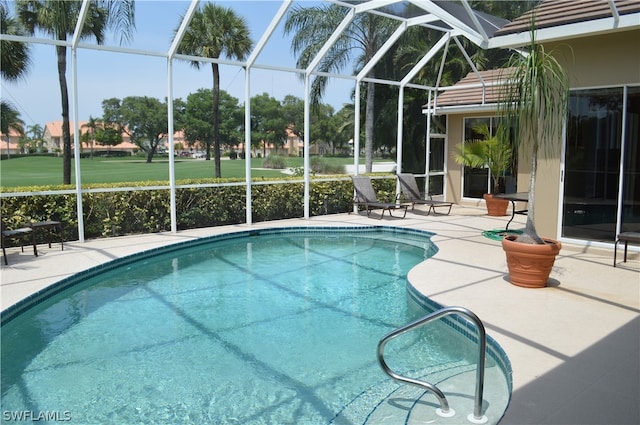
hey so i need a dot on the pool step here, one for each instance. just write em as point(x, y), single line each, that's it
point(391, 403)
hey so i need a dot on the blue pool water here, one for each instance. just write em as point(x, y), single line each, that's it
point(269, 327)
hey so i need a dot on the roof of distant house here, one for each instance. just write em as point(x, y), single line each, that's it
point(12, 133)
point(55, 127)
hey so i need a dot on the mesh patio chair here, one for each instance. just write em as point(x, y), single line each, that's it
point(409, 192)
point(365, 196)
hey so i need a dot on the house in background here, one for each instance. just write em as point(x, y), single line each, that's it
point(588, 189)
point(9, 143)
point(180, 143)
point(293, 145)
point(53, 138)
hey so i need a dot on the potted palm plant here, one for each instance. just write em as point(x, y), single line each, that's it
point(492, 152)
point(533, 106)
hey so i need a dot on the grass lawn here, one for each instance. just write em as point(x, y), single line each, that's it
point(40, 171)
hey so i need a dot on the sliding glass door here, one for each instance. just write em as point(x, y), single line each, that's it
point(601, 157)
point(630, 197)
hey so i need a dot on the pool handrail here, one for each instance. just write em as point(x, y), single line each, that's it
point(477, 417)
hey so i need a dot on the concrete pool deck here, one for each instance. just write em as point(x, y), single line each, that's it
point(574, 346)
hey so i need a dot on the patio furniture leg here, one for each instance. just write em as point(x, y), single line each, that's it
point(626, 237)
point(513, 214)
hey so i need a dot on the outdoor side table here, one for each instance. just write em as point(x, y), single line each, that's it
point(49, 226)
point(514, 197)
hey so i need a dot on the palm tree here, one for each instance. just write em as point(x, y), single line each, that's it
point(490, 152)
point(215, 31)
point(36, 132)
point(93, 125)
point(365, 36)
point(10, 120)
point(14, 63)
point(15, 56)
point(58, 19)
point(533, 105)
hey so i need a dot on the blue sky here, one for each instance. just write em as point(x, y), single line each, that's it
point(103, 75)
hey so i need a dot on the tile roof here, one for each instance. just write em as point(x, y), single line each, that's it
point(12, 133)
point(471, 91)
point(55, 127)
point(552, 13)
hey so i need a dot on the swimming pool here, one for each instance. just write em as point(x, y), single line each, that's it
point(270, 326)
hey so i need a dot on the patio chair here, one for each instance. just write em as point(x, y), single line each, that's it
point(409, 192)
point(17, 234)
point(365, 196)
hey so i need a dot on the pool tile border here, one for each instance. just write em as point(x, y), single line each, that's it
point(55, 288)
point(460, 324)
point(468, 330)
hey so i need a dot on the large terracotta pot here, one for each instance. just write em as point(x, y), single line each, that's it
point(496, 207)
point(530, 264)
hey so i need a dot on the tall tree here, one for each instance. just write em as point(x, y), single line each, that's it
point(144, 119)
point(15, 60)
point(10, 120)
point(36, 133)
point(292, 109)
point(344, 123)
point(323, 128)
point(92, 126)
point(109, 127)
point(198, 119)
point(268, 124)
point(312, 27)
point(15, 57)
point(216, 31)
point(58, 19)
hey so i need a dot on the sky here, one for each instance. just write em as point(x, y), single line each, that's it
point(103, 75)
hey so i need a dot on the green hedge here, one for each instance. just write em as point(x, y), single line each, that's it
point(119, 213)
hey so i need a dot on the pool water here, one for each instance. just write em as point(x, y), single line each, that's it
point(273, 328)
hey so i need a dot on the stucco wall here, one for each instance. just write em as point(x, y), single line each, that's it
point(454, 171)
point(611, 59)
point(604, 60)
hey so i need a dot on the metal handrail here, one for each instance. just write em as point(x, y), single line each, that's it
point(482, 345)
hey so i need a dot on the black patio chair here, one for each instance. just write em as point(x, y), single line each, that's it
point(409, 192)
point(365, 196)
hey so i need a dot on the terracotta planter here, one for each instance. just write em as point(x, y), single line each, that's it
point(495, 207)
point(530, 264)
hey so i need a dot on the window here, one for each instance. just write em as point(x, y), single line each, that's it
point(436, 155)
point(477, 182)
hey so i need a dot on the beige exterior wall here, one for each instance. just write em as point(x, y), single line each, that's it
point(611, 59)
point(455, 136)
point(453, 176)
point(454, 170)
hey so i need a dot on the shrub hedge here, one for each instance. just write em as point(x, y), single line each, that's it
point(127, 212)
